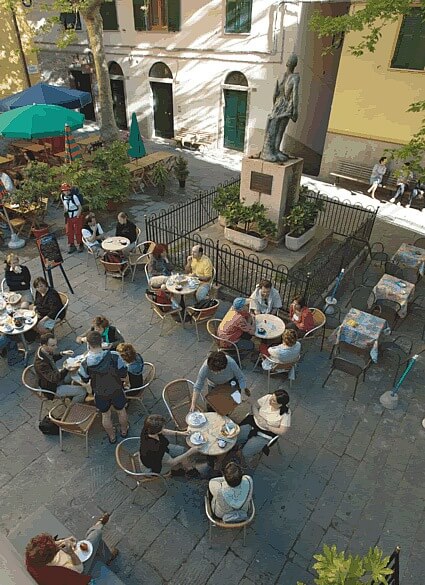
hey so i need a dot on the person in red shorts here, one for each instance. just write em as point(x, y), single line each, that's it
point(74, 221)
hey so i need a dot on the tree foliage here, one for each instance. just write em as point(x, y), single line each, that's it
point(370, 19)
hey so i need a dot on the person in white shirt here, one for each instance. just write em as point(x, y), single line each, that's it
point(287, 352)
point(93, 234)
point(74, 222)
point(265, 300)
point(270, 416)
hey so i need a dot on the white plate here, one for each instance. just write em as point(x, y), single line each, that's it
point(28, 321)
point(3, 320)
point(197, 439)
point(7, 328)
point(14, 298)
point(84, 555)
point(195, 419)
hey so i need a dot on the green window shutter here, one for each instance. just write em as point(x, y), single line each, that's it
point(173, 15)
point(238, 16)
point(108, 11)
point(410, 49)
point(140, 16)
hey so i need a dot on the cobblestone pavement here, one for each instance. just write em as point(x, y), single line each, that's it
point(350, 473)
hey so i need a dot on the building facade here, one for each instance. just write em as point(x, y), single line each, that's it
point(205, 65)
point(373, 93)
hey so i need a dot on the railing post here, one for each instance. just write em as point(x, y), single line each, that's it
point(217, 244)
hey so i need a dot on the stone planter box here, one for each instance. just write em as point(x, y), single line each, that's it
point(295, 244)
point(221, 221)
point(245, 240)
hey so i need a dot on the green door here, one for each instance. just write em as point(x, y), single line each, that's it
point(234, 118)
point(163, 116)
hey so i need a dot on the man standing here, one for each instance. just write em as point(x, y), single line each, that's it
point(107, 373)
point(74, 222)
point(49, 376)
point(200, 266)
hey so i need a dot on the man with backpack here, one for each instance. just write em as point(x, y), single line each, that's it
point(107, 373)
point(72, 202)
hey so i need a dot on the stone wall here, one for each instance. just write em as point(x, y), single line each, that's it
point(54, 64)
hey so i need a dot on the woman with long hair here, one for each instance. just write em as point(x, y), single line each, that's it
point(159, 267)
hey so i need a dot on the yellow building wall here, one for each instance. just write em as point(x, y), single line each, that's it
point(371, 100)
point(12, 76)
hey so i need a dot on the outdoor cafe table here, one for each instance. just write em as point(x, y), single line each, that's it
point(211, 431)
point(272, 325)
point(115, 244)
point(220, 398)
point(7, 326)
point(409, 256)
point(4, 160)
point(24, 145)
point(86, 142)
point(394, 289)
point(360, 329)
point(183, 281)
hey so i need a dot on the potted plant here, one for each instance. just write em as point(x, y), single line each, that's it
point(247, 225)
point(301, 222)
point(160, 175)
point(226, 196)
point(181, 171)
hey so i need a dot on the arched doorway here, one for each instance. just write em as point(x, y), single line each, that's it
point(116, 77)
point(161, 80)
point(235, 91)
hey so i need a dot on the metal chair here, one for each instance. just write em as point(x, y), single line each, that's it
point(388, 310)
point(159, 309)
point(419, 243)
point(350, 368)
point(377, 254)
point(277, 368)
point(394, 269)
point(139, 393)
point(61, 315)
point(319, 319)
point(361, 298)
point(138, 234)
point(212, 327)
point(30, 381)
point(177, 396)
point(399, 349)
point(90, 252)
point(202, 315)
point(214, 521)
point(4, 285)
point(128, 460)
point(115, 270)
point(77, 420)
point(140, 256)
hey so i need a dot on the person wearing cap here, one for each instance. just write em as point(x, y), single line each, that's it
point(200, 266)
point(237, 326)
point(73, 218)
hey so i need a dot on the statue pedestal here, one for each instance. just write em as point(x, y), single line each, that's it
point(274, 185)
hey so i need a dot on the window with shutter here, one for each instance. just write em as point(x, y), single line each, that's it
point(140, 14)
point(156, 15)
point(70, 20)
point(238, 16)
point(410, 49)
point(108, 11)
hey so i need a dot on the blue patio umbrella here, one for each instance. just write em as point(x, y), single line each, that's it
point(43, 93)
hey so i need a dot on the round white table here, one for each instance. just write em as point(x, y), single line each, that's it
point(115, 244)
point(185, 289)
point(272, 325)
point(211, 431)
point(8, 320)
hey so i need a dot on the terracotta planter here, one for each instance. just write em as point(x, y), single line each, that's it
point(39, 232)
point(295, 244)
point(249, 241)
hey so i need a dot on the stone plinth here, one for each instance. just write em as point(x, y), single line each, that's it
point(274, 185)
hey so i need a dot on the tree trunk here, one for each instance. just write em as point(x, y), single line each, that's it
point(108, 128)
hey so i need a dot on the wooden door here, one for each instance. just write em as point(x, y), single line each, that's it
point(118, 101)
point(235, 103)
point(163, 109)
point(82, 81)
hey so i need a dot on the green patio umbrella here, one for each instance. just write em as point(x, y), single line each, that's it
point(38, 121)
point(137, 148)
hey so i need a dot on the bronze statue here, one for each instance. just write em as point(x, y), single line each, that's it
point(285, 108)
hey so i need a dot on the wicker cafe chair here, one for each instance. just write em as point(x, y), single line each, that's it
point(212, 328)
point(115, 270)
point(319, 319)
point(214, 521)
point(140, 256)
point(30, 381)
point(158, 309)
point(202, 315)
point(90, 252)
point(139, 393)
point(177, 396)
point(280, 368)
point(61, 316)
point(77, 420)
point(127, 458)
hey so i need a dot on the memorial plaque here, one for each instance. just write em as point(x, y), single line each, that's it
point(261, 183)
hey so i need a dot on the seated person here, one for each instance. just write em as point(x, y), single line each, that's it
point(49, 376)
point(156, 452)
point(159, 267)
point(9, 349)
point(218, 368)
point(265, 300)
point(270, 416)
point(301, 317)
point(200, 266)
point(93, 235)
point(237, 326)
point(18, 279)
point(133, 362)
point(47, 304)
point(126, 229)
point(231, 493)
point(51, 561)
point(111, 337)
point(287, 352)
